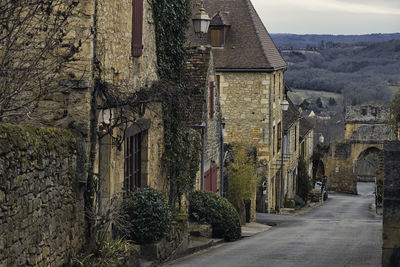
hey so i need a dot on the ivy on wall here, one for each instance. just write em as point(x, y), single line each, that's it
point(171, 18)
point(181, 158)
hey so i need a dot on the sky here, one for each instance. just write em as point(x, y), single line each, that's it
point(329, 16)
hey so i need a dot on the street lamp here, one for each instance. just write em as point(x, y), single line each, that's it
point(201, 20)
point(321, 138)
point(284, 104)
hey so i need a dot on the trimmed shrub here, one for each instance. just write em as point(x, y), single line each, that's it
point(148, 215)
point(207, 207)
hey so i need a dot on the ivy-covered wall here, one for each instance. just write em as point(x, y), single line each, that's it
point(41, 206)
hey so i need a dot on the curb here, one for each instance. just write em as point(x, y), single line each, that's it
point(195, 248)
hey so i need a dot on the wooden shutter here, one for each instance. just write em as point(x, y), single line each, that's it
point(137, 27)
point(211, 100)
point(216, 37)
point(214, 175)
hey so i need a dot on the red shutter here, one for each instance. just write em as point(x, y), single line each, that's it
point(214, 171)
point(211, 96)
point(137, 27)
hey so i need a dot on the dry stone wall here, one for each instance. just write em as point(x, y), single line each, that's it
point(41, 207)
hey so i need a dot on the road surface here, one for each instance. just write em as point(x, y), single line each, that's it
point(341, 232)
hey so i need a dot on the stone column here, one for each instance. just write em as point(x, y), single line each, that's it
point(391, 205)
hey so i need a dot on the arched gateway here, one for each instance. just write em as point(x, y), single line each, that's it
point(359, 156)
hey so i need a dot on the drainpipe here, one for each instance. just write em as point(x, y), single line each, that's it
point(90, 193)
point(202, 126)
point(222, 160)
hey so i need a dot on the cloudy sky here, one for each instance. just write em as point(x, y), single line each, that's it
point(330, 16)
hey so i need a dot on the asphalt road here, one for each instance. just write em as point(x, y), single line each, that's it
point(341, 232)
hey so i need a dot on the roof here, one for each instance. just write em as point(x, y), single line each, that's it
point(290, 116)
point(248, 44)
point(220, 19)
point(305, 127)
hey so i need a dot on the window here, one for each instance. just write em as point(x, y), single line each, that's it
point(133, 162)
point(273, 140)
point(218, 84)
point(295, 138)
point(211, 100)
point(273, 89)
point(216, 37)
point(137, 27)
point(279, 137)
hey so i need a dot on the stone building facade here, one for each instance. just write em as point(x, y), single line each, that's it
point(115, 58)
point(291, 149)
point(206, 116)
point(250, 72)
point(306, 145)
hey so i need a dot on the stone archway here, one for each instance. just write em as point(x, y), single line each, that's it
point(367, 167)
point(343, 164)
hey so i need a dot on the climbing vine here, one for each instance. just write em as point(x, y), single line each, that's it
point(182, 144)
point(171, 18)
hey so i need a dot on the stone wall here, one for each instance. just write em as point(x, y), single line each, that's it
point(114, 38)
point(391, 205)
point(340, 168)
point(41, 204)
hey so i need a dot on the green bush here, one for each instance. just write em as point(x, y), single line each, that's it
point(207, 207)
point(148, 215)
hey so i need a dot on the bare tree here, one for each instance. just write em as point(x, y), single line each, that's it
point(35, 45)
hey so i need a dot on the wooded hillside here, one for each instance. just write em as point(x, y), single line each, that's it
point(362, 72)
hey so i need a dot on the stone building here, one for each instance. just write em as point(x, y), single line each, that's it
point(291, 148)
point(306, 136)
point(122, 145)
point(250, 72)
point(205, 116)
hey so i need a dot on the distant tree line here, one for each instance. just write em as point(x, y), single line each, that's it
point(313, 41)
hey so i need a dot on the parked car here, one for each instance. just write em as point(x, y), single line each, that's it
point(321, 186)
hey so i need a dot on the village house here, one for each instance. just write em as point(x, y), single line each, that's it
point(205, 115)
point(97, 96)
point(249, 77)
point(306, 136)
point(291, 148)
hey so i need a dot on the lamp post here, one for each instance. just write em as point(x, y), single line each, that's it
point(201, 20)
